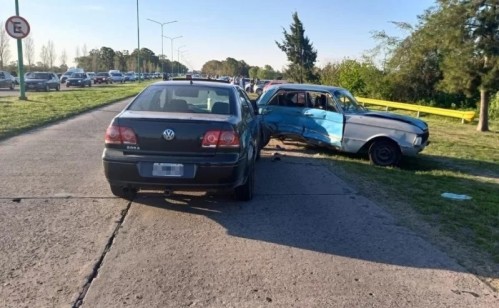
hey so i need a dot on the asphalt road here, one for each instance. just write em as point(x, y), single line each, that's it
point(306, 240)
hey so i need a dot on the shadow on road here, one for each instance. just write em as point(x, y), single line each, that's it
point(315, 211)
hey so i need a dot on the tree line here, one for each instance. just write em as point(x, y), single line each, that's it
point(449, 59)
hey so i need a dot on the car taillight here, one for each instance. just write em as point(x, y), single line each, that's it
point(120, 135)
point(220, 138)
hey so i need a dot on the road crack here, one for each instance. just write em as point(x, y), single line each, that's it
point(98, 264)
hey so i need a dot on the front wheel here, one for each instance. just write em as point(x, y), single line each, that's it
point(58, 88)
point(47, 88)
point(384, 153)
point(123, 192)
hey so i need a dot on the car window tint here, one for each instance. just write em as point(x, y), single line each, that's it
point(186, 99)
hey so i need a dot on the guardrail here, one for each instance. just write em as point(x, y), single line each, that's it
point(465, 116)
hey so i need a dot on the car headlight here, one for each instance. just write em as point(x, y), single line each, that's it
point(418, 140)
point(79, 80)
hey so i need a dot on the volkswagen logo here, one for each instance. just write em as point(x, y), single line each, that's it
point(169, 134)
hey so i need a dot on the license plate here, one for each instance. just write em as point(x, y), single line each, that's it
point(165, 169)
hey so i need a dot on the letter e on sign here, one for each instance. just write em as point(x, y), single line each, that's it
point(17, 27)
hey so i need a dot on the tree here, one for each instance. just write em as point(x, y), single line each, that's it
point(106, 57)
point(51, 55)
point(267, 72)
point(299, 52)
point(4, 46)
point(44, 56)
point(468, 32)
point(84, 50)
point(29, 51)
point(63, 57)
point(253, 72)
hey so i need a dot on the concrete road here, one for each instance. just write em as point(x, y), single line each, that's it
point(306, 240)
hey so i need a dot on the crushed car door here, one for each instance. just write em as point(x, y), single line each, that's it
point(323, 123)
point(283, 115)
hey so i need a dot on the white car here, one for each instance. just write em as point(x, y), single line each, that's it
point(117, 77)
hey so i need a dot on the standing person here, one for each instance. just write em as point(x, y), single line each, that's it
point(241, 81)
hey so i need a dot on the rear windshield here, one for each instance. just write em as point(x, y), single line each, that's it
point(39, 76)
point(186, 99)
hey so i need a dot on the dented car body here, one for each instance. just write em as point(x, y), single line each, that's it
point(330, 116)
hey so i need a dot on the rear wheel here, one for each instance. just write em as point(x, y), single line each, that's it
point(245, 191)
point(384, 153)
point(58, 88)
point(123, 192)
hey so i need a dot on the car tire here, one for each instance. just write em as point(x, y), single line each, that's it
point(67, 86)
point(47, 88)
point(90, 84)
point(384, 153)
point(258, 91)
point(245, 191)
point(58, 88)
point(123, 192)
point(11, 86)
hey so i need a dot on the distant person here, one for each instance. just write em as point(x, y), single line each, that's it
point(241, 81)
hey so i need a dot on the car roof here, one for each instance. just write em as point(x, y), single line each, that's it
point(205, 82)
point(305, 87)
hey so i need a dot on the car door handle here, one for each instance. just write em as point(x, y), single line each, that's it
point(308, 114)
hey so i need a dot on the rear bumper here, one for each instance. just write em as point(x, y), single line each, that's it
point(199, 176)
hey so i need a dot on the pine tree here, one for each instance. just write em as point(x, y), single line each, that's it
point(299, 51)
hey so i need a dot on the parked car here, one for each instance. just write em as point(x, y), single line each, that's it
point(273, 82)
point(184, 135)
point(102, 77)
point(79, 80)
point(130, 76)
point(116, 76)
point(42, 81)
point(330, 116)
point(257, 87)
point(69, 72)
point(6, 80)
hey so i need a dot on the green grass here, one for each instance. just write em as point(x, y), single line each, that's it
point(42, 108)
point(459, 160)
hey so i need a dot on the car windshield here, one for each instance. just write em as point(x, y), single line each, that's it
point(347, 101)
point(78, 75)
point(116, 74)
point(101, 74)
point(186, 99)
point(39, 76)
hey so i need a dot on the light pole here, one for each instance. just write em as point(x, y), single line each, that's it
point(162, 53)
point(138, 42)
point(178, 57)
point(171, 40)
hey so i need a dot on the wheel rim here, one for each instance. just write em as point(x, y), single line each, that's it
point(385, 154)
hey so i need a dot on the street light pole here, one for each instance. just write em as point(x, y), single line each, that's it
point(178, 57)
point(162, 53)
point(171, 40)
point(138, 42)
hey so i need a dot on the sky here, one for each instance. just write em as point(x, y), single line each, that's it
point(212, 29)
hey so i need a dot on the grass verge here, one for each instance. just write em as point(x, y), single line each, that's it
point(459, 160)
point(42, 108)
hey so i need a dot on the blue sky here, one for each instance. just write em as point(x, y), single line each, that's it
point(215, 29)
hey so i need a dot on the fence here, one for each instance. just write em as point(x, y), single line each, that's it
point(465, 116)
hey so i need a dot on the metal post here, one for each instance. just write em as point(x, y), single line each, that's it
point(138, 41)
point(178, 58)
point(171, 41)
point(162, 53)
point(20, 65)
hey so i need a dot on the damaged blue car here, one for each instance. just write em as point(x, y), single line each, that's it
point(330, 116)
